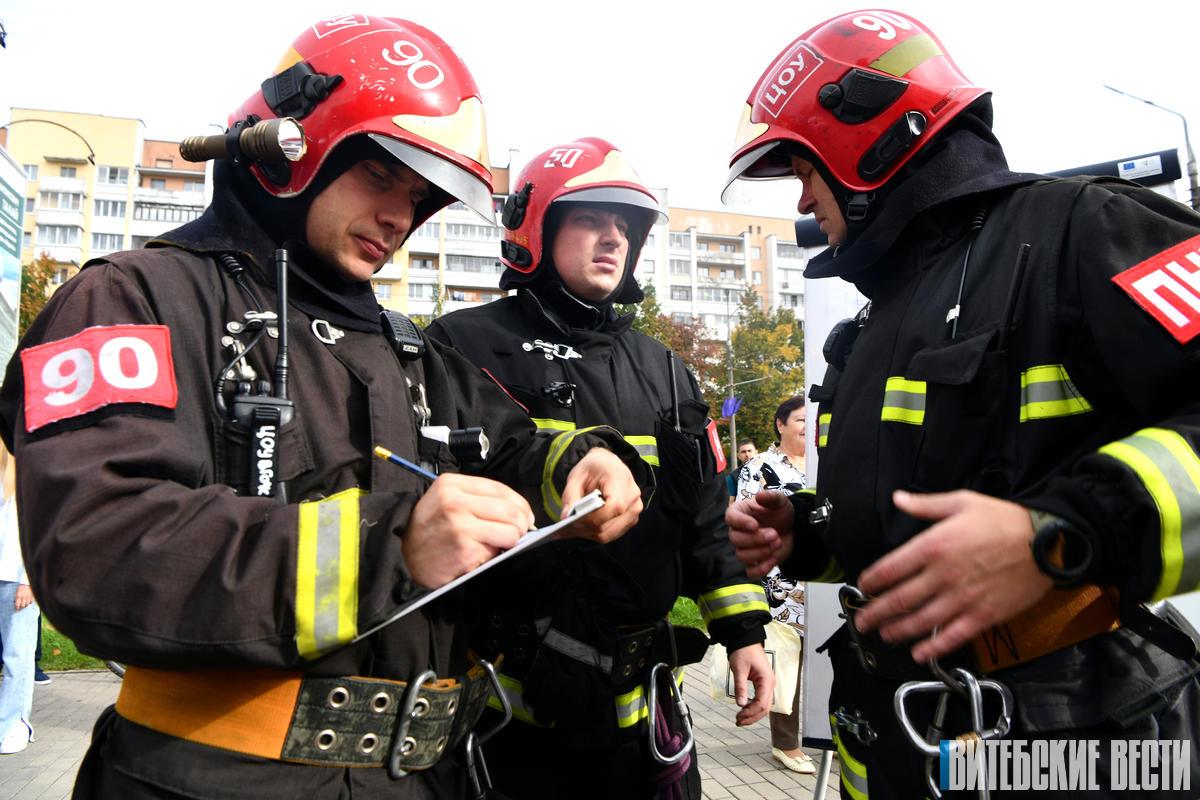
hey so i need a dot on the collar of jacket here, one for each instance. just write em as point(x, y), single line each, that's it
point(965, 162)
point(569, 315)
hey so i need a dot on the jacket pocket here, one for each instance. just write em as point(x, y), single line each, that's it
point(234, 451)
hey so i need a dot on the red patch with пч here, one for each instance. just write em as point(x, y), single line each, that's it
point(98, 367)
point(1167, 287)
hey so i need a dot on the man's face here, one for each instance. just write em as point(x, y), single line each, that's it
point(817, 199)
point(359, 220)
point(745, 452)
point(589, 251)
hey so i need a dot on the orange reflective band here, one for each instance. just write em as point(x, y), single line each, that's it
point(1064, 617)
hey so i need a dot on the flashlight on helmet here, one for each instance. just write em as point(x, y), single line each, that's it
point(273, 142)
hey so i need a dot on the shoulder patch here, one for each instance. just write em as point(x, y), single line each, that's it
point(1167, 287)
point(98, 367)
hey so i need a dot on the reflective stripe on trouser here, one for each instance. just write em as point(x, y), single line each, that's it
point(515, 692)
point(631, 706)
point(327, 573)
point(904, 401)
point(730, 600)
point(854, 773)
point(823, 429)
point(551, 499)
point(647, 446)
point(1169, 468)
point(1047, 392)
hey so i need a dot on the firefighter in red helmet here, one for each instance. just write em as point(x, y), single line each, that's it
point(208, 511)
point(582, 628)
point(1007, 430)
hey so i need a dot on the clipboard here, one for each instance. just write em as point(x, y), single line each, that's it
point(586, 505)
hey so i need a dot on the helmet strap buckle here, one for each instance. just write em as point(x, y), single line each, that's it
point(859, 206)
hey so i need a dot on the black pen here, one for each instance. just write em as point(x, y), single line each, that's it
point(415, 469)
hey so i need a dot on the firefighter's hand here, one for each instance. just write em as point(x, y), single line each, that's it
point(602, 469)
point(973, 568)
point(458, 524)
point(760, 528)
point(750, 662)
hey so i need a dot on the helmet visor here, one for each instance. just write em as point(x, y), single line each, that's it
point(621, 196)
point(444, 174)
point(766, 162)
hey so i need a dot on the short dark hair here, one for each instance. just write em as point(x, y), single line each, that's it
point(746, 441)
point(786, 408)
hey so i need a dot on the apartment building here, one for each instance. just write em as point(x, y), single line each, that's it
point(96, 185)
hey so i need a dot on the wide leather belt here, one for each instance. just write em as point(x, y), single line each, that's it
point(1062, 618)
point(285, 716)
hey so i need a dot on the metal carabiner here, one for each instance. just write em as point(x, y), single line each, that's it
point(404, 718)
point(477, 771)
point(680, 707)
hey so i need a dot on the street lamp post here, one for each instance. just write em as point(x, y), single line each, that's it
point(1193, 180)
point(91, 157)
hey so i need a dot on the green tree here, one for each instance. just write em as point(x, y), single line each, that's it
point(690, 341)
point(768, 345)
point(35, 289)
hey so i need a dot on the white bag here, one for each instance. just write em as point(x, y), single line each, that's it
point(785, 647)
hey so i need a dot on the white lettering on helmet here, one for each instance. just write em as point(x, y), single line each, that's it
point(794, 68)
point(420, 71)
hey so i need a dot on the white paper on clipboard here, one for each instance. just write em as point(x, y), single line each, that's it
point(586, 505)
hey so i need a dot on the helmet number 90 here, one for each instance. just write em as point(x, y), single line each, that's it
point(563, 157)
point(422, 73)
point(884, 22)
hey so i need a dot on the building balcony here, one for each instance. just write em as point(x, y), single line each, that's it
point(473, 280)
point(177, 198)
point(57, 183)
point(61, 253)
point(717, 257)
point(58, 216)
point(732, 282)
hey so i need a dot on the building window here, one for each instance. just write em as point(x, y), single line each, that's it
point(458, 295)
point(109, 208)
point(26, 239)
point(160, 212)
point(107, 242)
point(66, 172)
point(428, 230)
point(58, 234)
point(789, 250)
point(649, 240)
point(480, 264)
point(140, 241)
point(115, 176)
point(158, 183)
point(681, 318)
point(680, 266)
point(755, 253)
point(728, 248)
point(422, 262)
point(681, 240)
point(460, 230)
point(383, 291)
point(420, 291)
point(29, 204)
point(31, 171)
point(681, 293)
point(59, 277)
point(64, 201)
point(193, 186)
point(648, 266)
point(758, 279)
point(165, 163)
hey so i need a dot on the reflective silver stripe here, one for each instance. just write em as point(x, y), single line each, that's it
point(647, 447)
point(631, 708)
point(904, 401)
point(854, 772)
point(325, 616)
point(571, 647)
point(1047, 392)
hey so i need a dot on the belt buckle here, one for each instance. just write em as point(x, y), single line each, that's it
point(402, 743)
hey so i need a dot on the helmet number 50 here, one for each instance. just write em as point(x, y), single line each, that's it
point(421, 72)
point(563, 157)
point(883, 22)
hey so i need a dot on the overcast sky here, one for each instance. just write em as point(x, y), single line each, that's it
point(664, 81)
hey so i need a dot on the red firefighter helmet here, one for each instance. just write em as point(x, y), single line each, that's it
point(389, 79)
point(587, 170)
point(862, 92)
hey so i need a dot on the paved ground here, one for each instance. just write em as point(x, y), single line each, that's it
point(734, 762)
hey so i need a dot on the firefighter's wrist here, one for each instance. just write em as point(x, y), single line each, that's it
point(1060, 549)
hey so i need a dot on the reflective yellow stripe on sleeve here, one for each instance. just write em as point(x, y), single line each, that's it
point(854, 772)
point(730, 600)
point(904, 401)
point(1169, 469)
point(631, 706)
point(1047, 392)
point(551, 498)
point(823, 429)
point(647, 447)
point(327, 573)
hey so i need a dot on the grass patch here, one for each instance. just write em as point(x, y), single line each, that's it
point(685, 613)
point(59, 652)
